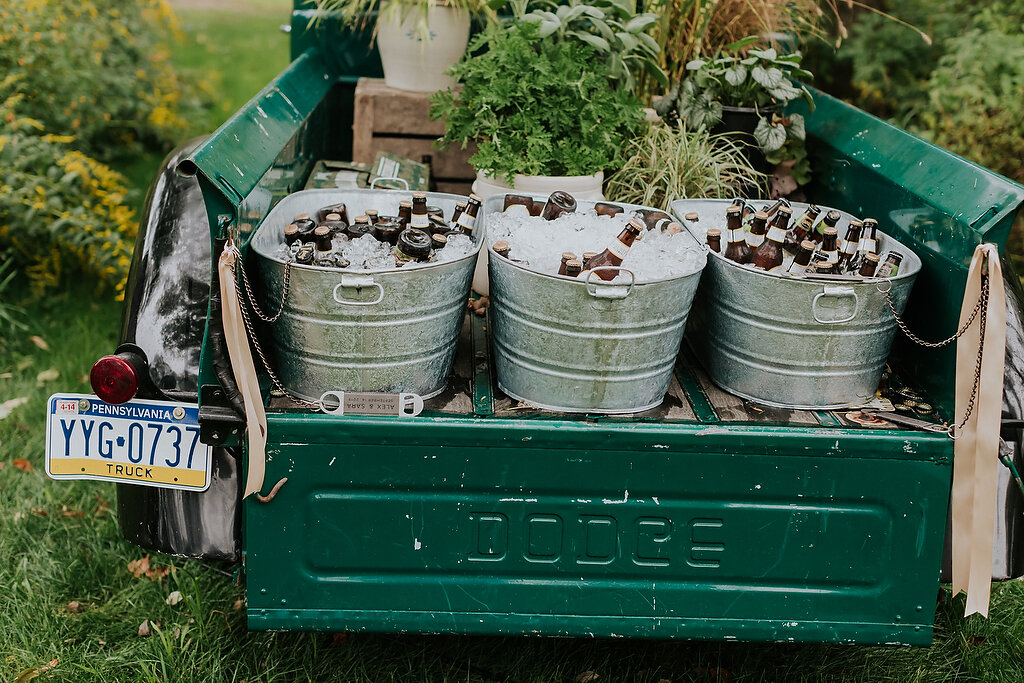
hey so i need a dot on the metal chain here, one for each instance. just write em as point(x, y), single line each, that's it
point(255, 341)
point(252, 299)
point(981, 308)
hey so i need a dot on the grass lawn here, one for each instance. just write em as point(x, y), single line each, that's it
point(71, 605)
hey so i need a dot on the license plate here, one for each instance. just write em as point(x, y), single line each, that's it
point(152, 443)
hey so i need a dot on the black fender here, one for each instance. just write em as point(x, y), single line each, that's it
point(164, 316)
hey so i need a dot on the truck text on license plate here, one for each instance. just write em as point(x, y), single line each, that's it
point(154, 443)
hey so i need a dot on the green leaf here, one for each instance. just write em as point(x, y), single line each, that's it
point(767, 78)
point(784, 92)
point(547, 28)
point(596, 41)
point(736, 74)
point(629, 42)
point(740, 44)
point(769, 137)
point(768, 54)
point(796, 127)
point(650, 43)
point(695, 64)
point(641, 22)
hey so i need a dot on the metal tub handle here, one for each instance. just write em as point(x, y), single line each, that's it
point(609, 291)
point(358, 281)
point(838, 293)
point(373, 183)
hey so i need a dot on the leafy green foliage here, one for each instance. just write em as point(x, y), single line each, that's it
point(762, 80)
point(536, 106)
point(359, 12)
point(669, 162)
point(100, 70)
point(616, 32)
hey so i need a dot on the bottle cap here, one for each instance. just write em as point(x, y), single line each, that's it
point(568, 256)
point(322, 231)
point(419, 195)
point(405, 202)
point(692, 216)
point(762, 215)
point(856, 221)
point(734, 208)
point(875, 258)
point(589, 254)
point(302, 216)
point(476, 198)
point(830, 230)
point(501, 245)
point(714, 232)
point(809, 245)
point(291, 229)
point(332, 217)
point(362, 219)
point(637, 225)
point(786, 208)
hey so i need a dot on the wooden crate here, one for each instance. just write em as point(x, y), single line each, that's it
point(396, 121)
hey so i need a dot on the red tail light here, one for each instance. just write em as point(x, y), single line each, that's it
point(114, 379)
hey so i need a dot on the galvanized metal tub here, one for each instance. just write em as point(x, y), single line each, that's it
point(585, 347)
point(362, 330)
point(792, 342)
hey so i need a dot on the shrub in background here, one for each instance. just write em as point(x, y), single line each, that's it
point(99, 70)
point(62, 214)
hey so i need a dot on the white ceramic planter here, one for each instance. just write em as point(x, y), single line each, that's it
point(579, 186)
point(413, 63)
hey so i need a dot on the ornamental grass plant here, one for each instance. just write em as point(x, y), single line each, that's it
point(671, 161)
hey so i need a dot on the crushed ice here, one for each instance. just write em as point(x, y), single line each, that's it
point(656, 255)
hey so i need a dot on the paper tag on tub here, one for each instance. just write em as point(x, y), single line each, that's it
point(371, 403)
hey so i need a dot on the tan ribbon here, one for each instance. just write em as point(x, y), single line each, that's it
point(244, 370)
point(976, 450)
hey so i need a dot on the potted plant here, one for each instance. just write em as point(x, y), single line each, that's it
point(746, 95)
point(417, 39)
point(548, 96)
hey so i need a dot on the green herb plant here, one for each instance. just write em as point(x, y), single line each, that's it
point(671, 161)
point(536, 105)
point(761, 80)
point(616, 32)
point(359, 12)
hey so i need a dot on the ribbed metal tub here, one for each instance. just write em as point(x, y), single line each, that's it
point(567, 345)
point(789, 342)
point(390, 331)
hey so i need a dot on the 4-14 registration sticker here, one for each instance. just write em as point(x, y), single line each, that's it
point(153, 443)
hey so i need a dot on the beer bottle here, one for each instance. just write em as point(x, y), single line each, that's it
point(306, 227)
point(435, 211)
point(304, 256)
point(617, 250)
point(373, 215)
point(588, 256)
point(655, 220)
point(437, 224)
point(559, 203)
point(404, 212)
point(758, 227)
point(387, 231)
point(517, 205)
point(769, 255)
point(459, 208)
point(830, 249)
point(746, 211)
point(891, 266)
point(502, 248)
point(831, 219)
point(606, 209)
point(714, 239)
point(566, 257)
point(291, 234)
point(360, 226)
point(339, 209)
point(418, 217)
point(438, 240)
point(801, 230)
point(692, 216)
point(774, 208)
point(340, 261)
point(413, 245)
point(868, 243)
point(868, 266)
point(333, 221)
point(573, 268)
point(324, 246)
point(812, 211)
point(467, 219)
point(803, 257)
point(737, 249)
point(850, 246)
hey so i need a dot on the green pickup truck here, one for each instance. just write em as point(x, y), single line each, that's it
point(708, 517)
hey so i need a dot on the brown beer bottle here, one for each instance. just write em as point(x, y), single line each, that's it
point(559, 203)
point(617, 250)
point(517, 205)
point(360, 226)
point(812, 211)
point(304, 256)
point(588, 256)
point(869, 265)
point(737, 248)
point(774, 208)
point(831, 219)
point(291, 234)
point(573, 268)
point(413, 245)
point(323, 249)
point(606, 209)
point(769, 255)
point(373, 215)
point(850, 245)
point(868, 243)
point(438, 240)
point(467, 219)
point(758, 228)
point(459, 208)
point(891, 266)
point(655, 220)
point(333, 221)
point(339, 209)
point(714, 240)
point(566, 257)
point(404, 212)
point(803, 258)
point(418, 215)
point(387, 231)
point(502, 248)
point(830, 250)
